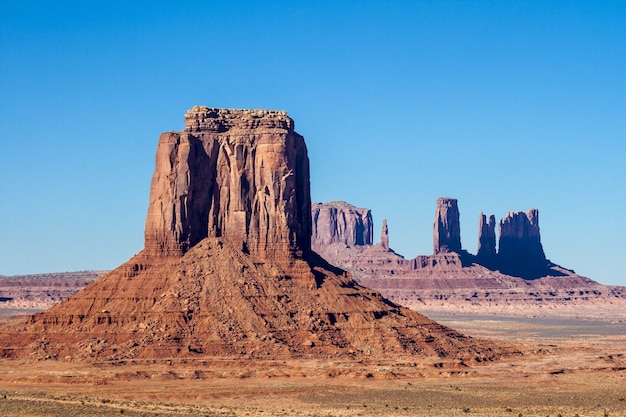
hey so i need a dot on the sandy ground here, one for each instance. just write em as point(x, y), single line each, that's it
point(563, 367)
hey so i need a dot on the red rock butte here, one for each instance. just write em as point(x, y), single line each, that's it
point(242, 175)
point(227, 267)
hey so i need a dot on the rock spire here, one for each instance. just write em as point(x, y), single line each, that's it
point(486, 239)
point(384, 235)
point(519, 249)
point(447, 230)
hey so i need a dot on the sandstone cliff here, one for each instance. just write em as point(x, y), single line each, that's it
point(242, 175)
point(338, 221)
point(486, 253)
point(447, 229)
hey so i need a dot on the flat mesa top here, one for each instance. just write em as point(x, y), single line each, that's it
point(337, 204)
point(215, 119)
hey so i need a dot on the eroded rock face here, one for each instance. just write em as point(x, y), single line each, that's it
point(519, 249)
point(338, 221)
point(447, 229)
point(242, 175)
point(484, 283)
point(40, 291)
point(486, 238)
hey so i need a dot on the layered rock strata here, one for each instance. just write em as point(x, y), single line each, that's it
point(447, 229)
point(338, 221)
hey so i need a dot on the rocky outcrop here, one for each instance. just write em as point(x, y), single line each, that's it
point(340, 222)
point(447, 229)
point(384, 235)
point(486, 239)
point(241, 175)
point(520, 251)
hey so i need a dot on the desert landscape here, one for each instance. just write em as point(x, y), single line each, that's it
point(567, 368)
point(231, 311)
point(342, 208)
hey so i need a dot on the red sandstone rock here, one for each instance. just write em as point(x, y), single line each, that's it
point(215, 300)
point(242, 175)
point(384, 235)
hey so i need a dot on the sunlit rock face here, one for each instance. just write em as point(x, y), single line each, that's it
point(242, 175)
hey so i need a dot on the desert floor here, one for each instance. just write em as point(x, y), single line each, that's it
point(562, 366)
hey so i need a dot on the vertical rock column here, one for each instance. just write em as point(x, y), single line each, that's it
point(486, 239)
point(447, 229)
point(338, 221)
point(384, 235)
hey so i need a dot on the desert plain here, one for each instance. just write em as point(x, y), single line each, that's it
point(557, 366)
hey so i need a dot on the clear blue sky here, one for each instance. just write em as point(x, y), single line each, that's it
point(505, 105)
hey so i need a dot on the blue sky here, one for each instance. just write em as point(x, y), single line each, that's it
point(504, 105)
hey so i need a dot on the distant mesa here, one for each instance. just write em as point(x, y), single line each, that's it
point(509, 275)
point(447, 228)
point(40, 291)
point(519, 246)
point(519, 251)
point(338, 221)
point(384, 235)
point(227, 268)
